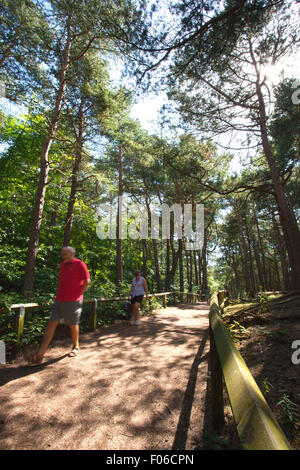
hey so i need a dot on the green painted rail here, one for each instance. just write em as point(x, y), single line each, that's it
point(256, 424)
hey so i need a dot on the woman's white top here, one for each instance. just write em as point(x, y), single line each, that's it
point(138, 288)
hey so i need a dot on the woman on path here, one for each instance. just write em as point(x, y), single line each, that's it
point(138, 289)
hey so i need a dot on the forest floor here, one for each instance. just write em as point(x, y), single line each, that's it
point(129, 388)
point(266, 346)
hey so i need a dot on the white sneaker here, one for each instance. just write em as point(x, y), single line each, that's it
point(137, 322)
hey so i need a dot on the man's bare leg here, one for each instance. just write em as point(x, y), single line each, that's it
point(48, 336)
point(75, 334)
point(75, 338)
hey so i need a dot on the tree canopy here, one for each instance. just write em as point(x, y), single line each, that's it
point(77, 146)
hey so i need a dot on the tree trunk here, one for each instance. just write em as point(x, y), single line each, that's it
point(175, 257)
point(251, 264)
point(199, 271)
point(181, 273)
point(155, 249)
point(282, 253)
point(167, 274)
point(278, 283)
point(258, 264)
point(145, 257)
point(157, 267)
point(287, 217)
point(195, 268)
point(43, 177)
point(188, 274)
point(75, 172)
point(265, 285)
point(246, 265)
point(204, 265)
point(175, 254)
point(236, 276)
point(204, 272)
point(119, 262)
point(189, 254)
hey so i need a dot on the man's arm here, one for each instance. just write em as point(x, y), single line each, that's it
point(86, 284)
point(85, 276)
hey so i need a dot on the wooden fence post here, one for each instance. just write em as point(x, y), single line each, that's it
point(93, 322)
point(217, 400)
point(221, 296)
point(165, 301)
point(150, 305)
point(174, 299)
point(20, 326)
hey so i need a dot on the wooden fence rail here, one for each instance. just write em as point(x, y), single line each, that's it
point(21, 308)
point(256, 425)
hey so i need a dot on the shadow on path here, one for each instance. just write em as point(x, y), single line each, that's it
point(27, 369)
point(188, 400)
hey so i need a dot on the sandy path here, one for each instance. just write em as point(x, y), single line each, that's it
point(130, 388)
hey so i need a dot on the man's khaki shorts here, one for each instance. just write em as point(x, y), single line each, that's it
point(69, 312)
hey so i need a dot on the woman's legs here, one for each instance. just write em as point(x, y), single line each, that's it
point(135, 312)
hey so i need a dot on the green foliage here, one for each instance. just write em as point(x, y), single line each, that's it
point(213, 441)
point(237, 331)
point(34, 328)
point(264, 331)
point(289, 410)
point(25, 36)
point(263, 301)
point(266, 386)
point(183, 167)
point(284, 126)
point(156, 303)
point(7, 326)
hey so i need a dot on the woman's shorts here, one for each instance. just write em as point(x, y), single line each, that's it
point(137, 298)
point(69, 312)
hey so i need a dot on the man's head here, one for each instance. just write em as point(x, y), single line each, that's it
point(67, 253)
point(137, 273)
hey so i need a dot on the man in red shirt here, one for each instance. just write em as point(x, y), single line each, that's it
point(74, 280)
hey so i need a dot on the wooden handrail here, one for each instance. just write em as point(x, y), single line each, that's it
point(21, 308)
point(101, 299)
point(256, 424)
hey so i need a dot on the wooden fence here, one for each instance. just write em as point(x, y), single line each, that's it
point(21, 309)
point(256, 425)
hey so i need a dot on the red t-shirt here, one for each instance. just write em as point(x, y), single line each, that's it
point(70, 282)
